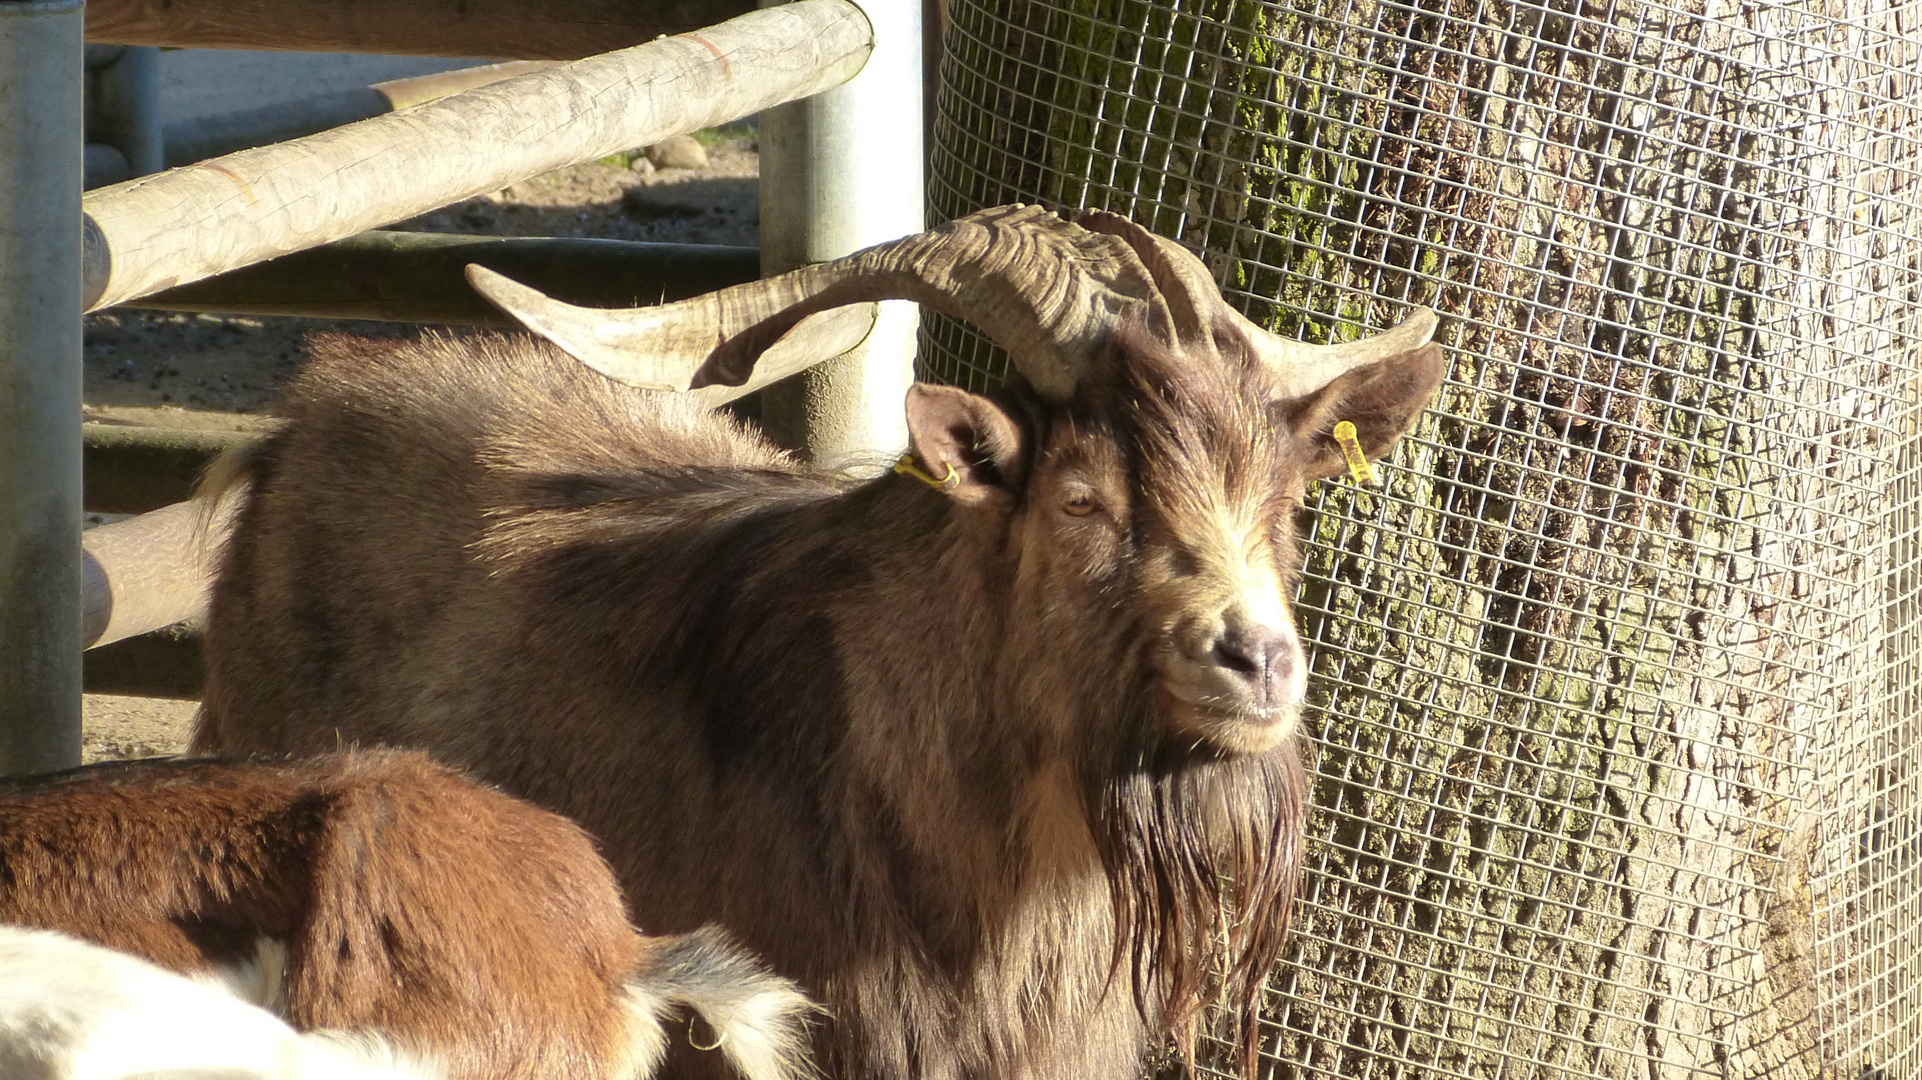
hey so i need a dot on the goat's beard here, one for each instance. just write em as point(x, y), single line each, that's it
point(1201, 850)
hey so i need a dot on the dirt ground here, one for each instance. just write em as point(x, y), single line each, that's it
point(158, 369)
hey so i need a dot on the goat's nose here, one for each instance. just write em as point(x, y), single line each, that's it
point(1263, 658)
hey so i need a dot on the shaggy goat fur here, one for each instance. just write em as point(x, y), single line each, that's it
point(918, 746)
point(381, 893)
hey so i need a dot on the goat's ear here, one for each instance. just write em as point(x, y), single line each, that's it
point(964, 445)
point(1382, 400)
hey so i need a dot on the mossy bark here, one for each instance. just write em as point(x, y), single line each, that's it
point(1616, 674)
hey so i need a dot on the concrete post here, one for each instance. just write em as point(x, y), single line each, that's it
point(41, 126)
point(841, 171)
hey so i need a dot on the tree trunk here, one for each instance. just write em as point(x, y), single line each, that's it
point(1615, 680)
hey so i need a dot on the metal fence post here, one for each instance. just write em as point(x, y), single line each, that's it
point(841, 171)
point(41, 127)
point(126, 108)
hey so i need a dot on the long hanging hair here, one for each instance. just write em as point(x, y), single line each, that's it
point(1202, 852)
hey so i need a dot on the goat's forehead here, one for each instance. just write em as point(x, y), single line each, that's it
point(1221, 504)
point(1203, 449)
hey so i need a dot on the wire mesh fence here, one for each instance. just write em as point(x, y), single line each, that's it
point(1617, 679)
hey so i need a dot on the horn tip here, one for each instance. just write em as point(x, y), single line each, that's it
point(496, 288)
point(1418, 326)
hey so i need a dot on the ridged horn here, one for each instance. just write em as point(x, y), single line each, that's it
point(661, 348)
point(1194, 304)
point(1044, 289)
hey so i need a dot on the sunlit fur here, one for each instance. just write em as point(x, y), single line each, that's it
point(929, 753)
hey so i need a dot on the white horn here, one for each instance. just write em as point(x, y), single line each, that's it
point(661, 347)
point(1301, 369)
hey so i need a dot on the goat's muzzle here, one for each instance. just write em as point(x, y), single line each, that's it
point(1235, 680)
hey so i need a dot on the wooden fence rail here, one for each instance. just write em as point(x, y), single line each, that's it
point(493, 29)
point(191, 223)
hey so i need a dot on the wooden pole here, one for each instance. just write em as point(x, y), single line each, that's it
point(497, 29)
point(191, 223)
point(242, 128)
point(146, 572)
point(421, 89)
point(419, 277)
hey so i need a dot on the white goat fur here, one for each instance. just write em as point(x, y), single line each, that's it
point(70, 1010)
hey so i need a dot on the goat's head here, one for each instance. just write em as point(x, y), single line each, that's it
point(1146, 465)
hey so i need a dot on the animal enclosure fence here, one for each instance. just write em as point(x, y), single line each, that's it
point(1617, 680)
point(823, 74)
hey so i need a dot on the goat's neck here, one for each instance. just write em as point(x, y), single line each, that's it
point(981, 788)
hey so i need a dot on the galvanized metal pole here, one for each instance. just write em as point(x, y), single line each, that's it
point(127, 104)
point(104, 163)
point(840, 171)
point(41, 128)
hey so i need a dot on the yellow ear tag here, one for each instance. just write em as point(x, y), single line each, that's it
point(1350, 444)
point(907, 467)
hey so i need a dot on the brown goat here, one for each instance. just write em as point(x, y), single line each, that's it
point(999, 762)
point(378, 892)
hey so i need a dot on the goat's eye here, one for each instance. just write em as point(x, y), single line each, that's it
point(1080, 504)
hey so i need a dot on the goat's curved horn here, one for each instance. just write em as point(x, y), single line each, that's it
point(1301, 368)
point(660, 348)
point(1044, 289)
point(1194, 303)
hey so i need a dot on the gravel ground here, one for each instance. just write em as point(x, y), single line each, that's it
point(159, 369)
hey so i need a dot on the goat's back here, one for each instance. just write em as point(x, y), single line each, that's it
point(349, 582)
